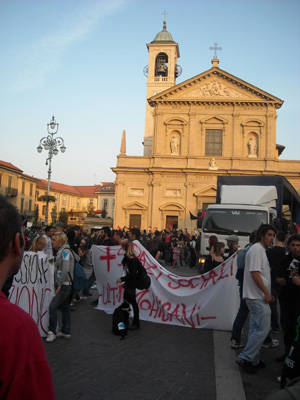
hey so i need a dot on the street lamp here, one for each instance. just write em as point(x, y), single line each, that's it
point(51, 144)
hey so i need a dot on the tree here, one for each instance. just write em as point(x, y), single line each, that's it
point(104, 213)
point(35, 215)
point(91, 210)
point(63, 217)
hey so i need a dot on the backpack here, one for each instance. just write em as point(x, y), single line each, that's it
point(80, 280)
point(143, 281)
point(120, 320)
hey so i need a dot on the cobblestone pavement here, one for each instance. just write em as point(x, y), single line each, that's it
point(157, 362)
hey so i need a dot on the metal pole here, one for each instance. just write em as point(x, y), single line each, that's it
point(52, 144)
point(48, 188)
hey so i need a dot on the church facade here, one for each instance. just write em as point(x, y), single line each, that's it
point(211, 124)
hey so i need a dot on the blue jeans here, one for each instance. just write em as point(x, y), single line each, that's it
point(259, 326)
point(240, 318)
point(61, 302)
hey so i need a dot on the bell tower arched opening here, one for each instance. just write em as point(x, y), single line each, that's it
point(161, 65)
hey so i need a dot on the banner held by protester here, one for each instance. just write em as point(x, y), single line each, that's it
point(33, 288)
point(206, 301)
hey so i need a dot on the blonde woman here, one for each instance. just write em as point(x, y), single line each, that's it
point(135, 277)
point(64, 275)
point(38, 244)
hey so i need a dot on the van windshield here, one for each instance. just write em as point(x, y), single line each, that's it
point(233, 221)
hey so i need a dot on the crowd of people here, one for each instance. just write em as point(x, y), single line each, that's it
point(268, 275)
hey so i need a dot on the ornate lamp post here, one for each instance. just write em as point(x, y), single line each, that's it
point(51, 144)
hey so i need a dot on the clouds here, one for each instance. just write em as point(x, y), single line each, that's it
point(44, 56)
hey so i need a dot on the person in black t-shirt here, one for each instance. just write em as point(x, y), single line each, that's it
point(156, 246)
point(289, 295)
point(133, 275)
point(275, 256)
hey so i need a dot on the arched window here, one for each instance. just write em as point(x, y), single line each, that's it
point(161, 65)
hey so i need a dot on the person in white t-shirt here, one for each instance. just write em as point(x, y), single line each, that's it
point(49, 231)
point(257, 294)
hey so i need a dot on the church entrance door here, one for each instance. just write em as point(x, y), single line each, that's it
point(171, 222)
point(135, 221)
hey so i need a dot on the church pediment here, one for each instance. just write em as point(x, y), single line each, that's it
point(206, 190)
point(135, 206)
point(171, 207)
point(214, 85)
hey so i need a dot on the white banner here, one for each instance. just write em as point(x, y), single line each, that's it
point(33, 288)
point(206, 301)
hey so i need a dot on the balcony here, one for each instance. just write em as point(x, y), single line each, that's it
point(11, 192)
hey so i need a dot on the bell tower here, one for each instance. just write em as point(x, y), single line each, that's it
point(161, 71)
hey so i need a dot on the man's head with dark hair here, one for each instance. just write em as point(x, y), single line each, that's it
point(49, 230)
point(107, 232)
point(157, 234)
point(11, 240)
point(77, 230)
point(253, 237)
point(294, 245)
point(266, 234)
point(134, 234)
point(117, 237)
point(280, 236)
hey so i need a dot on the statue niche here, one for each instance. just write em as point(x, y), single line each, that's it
point(175, 144)
point(252, 147)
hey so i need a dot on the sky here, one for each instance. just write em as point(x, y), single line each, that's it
point(83, 60)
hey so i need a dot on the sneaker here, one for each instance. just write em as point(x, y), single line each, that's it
point(235, 344)
point(247, 366)
point(64, 335)
point(273, 343)
point(51, 337)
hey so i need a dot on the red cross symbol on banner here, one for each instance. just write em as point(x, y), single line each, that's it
point(108, 257)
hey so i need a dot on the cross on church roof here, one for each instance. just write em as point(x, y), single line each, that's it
point(216, 48)
point(164, 13)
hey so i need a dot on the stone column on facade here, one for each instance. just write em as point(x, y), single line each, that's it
point(150, 201)
point(155, 212)
point(158, 131)
point(202, 136)
point(194, 136)
point(226, 145)
point(270, 133)
point(119, 212)
point(236, 134)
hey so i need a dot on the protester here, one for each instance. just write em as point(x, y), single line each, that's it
point(156, 247)
point(243, 311)
point(24, 370)
point(275, 256)
point(289, 294)
point(59, 227)
point(215, 258)
point(49, 231)
point(64, 275)
point(38, 244)
point(134, 234)
point(133, 274)
point(257, 292)
point(233, 245)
